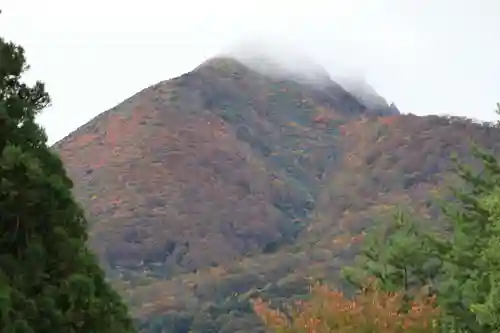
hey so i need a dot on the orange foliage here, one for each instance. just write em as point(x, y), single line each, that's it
point(116, 201)
point(84, 139)
point(346, 240)
point(117, 126)
point(323, 118)
point(357, 238)
point(99, 164)
point(342, 129)
point(370, 311)
point(387, 120)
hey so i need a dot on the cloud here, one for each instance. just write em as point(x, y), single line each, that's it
point(278, 58)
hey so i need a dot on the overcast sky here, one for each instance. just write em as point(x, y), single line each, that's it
point(439, 56)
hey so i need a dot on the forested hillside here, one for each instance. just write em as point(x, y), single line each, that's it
point(226, 184)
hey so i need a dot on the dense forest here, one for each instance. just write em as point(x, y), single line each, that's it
point(215, 201)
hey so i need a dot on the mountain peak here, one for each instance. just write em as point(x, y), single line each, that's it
point(274, 60)
point(222, 62)
point(286, 64)
point(305, 71)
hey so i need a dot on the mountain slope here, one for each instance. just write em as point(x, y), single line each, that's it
point(383, 162)
point(225, 183)
point(215, 164)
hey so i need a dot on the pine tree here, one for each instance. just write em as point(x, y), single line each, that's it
point(397, 255)
point(467, 275)
point(487, 307)
point(470, 264)
point(49, 281)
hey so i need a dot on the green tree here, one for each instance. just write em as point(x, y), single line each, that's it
point(397, 254)
point(466, 287)
point(487, 307)
point(464, 258)
point(49, 281)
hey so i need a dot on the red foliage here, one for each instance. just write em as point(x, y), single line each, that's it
point(342, 130)
point(323, 118)
point(330, 311)
point(389, 120)
point(83, 140)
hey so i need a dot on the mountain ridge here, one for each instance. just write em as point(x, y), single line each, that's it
point(258, 65)
point(213, 82)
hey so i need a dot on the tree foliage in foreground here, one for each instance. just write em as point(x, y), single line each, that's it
point(462, 263)
point(398, 255)
point(49, 281)
point(370, 311)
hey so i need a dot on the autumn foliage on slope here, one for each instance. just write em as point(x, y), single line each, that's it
point(370, 310)
point(209, 189)
point(199, 170)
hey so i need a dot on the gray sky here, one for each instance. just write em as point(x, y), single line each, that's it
point(439, 56)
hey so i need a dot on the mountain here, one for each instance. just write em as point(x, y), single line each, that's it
point(365, 93)
point(231, 181)
point(217, 147)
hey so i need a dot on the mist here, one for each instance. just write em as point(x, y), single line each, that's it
point(279, 59)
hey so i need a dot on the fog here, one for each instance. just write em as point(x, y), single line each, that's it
point(429, 57)
point(285, 60)
point(279, 59)
point(275, 58)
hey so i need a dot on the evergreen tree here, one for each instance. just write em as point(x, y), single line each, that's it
point(470, 267)
point(487, 306)
point(466, 257)
point(49, 281)
point(398, 256)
